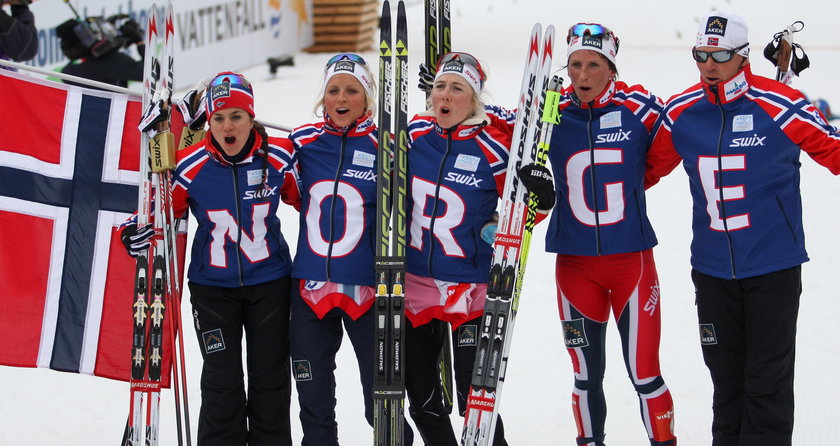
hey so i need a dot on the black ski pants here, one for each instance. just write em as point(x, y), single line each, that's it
point(748, 337)
point(314, 345)
point(229, 415)
point(423, 385)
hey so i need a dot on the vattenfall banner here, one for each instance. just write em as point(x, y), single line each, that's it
point(210, 35)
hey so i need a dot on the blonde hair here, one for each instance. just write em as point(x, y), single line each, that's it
point(370, 101)
point(476, 103)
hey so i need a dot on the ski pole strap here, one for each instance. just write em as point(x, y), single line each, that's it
point(155, 114)
point(551, 110)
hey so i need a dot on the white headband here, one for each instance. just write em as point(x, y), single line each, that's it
point(602, 43)
point(354, 69)
point(466, 71)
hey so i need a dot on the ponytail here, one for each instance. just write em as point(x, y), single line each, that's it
point(263, 151)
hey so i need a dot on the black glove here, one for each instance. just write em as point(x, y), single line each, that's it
point(427, 78)
point(132, 32)
point(137, 241)
point(538, 180)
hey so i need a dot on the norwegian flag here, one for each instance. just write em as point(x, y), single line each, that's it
point(69, 161)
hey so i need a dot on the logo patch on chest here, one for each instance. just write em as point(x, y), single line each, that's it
point(254, 177)
point(363, 159)
point(468, 163)
point(611, 120)
point(742, 123)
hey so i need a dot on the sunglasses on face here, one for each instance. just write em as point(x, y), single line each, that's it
point(719, 56)
point(233, 79)
point(592, 30)
point(465, 58)
point(346, 56)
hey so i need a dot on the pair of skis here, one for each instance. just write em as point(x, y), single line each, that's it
point(392, 186)
point(157, 282)
point(516, 222)
point(392, 183)
point(438, 26)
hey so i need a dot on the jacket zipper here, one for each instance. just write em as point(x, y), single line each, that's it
point(332, 203)
point(592, 181)
point(732, 270)
point(435, 205)
point(238, 223)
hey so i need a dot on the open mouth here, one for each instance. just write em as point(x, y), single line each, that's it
point(230, 139)
point(342, 111)
point(444, 110)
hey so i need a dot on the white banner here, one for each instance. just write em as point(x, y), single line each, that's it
point(210, 35)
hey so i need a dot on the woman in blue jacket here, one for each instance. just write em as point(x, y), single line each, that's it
point(457, 160)
point(333, 269)
point(239, 272)
point(601, 234)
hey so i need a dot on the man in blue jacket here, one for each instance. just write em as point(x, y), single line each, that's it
point(18, 35)
point(739, 137)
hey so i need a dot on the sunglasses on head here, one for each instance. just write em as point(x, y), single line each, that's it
point(465, 58)
point(592, 30)
point(346, 56)
point(719, 56)
point(233, 79)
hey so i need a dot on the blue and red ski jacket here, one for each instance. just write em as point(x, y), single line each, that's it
point(739, 143)
point(597, 155)
point(238, 240)
point(455, 179)
point(338, 202)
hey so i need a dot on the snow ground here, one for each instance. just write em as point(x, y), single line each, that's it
point(40, 407)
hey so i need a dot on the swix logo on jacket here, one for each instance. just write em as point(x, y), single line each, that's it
point(338, 202)
point(456, 177)
point(747, 216)
point(618, 136)
point(749, 141)
point(238, 240)
point(598, 159)
point(469, 180)
point(366, 175)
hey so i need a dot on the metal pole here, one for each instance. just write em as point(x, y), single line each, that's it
point(107, 87)
point(276, 126)
point(69, 77)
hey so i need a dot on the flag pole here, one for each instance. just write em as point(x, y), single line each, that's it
point(104, 86)
point(69, 77)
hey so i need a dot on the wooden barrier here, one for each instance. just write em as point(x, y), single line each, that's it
point(344, 25)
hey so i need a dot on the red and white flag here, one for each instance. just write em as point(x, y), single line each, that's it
point(69, 161)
